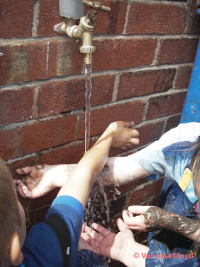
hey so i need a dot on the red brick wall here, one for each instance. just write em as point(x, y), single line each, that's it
point(141, 70)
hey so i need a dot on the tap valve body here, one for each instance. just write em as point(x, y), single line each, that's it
point(84, 31)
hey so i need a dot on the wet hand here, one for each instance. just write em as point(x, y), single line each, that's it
point(124, 136)
point(134, 217)
point(38, 180)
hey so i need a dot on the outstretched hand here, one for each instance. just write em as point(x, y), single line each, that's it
point(39, 180)
point(120, 246)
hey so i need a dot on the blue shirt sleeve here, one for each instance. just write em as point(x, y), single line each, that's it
point(71, 211)
point(170, 155)
point(42, 248)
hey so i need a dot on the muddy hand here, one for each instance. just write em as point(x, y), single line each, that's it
point(36, 180)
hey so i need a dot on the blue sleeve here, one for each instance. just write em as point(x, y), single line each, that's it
point(42, 248)
point(170, 155)
point(71, 211)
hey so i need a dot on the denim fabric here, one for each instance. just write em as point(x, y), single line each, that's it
point(159, 255)
point(168, 248)
point(87, 258)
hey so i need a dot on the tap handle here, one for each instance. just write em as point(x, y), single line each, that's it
point(97, 5)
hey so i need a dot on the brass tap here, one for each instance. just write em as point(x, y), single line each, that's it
point(84, 31)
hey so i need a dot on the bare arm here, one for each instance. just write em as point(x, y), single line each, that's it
point(156, 218)
point(122, 170)
point(89, 167)
point(143, 218)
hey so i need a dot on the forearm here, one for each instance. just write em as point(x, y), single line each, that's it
point(87, 170)
point(122, 170)
point(156, 218)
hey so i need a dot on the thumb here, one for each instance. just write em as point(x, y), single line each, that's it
point(138, 209)
point(121, 225)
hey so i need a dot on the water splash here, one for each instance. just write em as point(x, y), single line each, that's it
point(88, 92)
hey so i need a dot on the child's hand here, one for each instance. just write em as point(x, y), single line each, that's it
point(39, 180)
point(124, 136)
point(134, 217)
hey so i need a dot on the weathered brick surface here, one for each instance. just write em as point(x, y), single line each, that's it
point(172, 51)
point(145, 82)
point(57, 97)
point(123, 53)
point(164, 19)
point(16, 105)
point(183, 77)
point(102, 117)
point(36, 136)
point(150, 132)
point(145, 53)
point(165, 105)
point(48, 17)
point(144, 192)
point(16, 18)
point(172, 122)
point(67, 154)
point(28, 61)
point(112, 22)
point(71, 94)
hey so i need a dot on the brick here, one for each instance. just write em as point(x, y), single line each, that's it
point(37, 136)
point(102, 89)
point(193, 24)
point(165, 105)
point(16, 18)
point(145, 82)
point(5, 65)
point(183, 77)
point(174, 51)
point(113, 22)
point(13, 64)
point(70, 95)
point(42, 60)
point(48, 17)
point(150, 132)
point(102, 117)
point(123, 53)
point(172, 122)
point(144, 192)
point(23, 62)
point(16, 105)
point(67, 154)
point(156, 18)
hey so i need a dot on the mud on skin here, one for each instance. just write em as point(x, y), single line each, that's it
point(157, 218)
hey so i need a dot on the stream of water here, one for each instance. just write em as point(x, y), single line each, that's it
point(94, 197)
point(88, 92)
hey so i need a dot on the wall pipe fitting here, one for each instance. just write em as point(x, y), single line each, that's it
point(71, 9)
point(83, 31)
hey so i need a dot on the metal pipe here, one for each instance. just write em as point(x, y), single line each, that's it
point(71, 9)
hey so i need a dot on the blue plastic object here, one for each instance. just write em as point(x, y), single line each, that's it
point(191, 108)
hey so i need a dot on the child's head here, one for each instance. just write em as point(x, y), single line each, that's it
point(11, 220)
